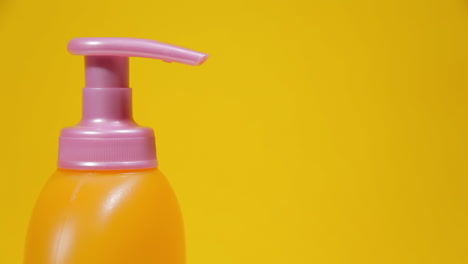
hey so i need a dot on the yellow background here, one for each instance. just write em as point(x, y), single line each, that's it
point(319, 131)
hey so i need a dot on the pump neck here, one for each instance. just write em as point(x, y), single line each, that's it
point(106, 72)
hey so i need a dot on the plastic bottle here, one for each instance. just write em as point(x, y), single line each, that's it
point(108, 202)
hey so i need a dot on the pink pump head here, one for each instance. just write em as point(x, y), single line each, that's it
point(107, 138)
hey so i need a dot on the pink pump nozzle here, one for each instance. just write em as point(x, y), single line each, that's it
point(107, 58)
point(107, 137)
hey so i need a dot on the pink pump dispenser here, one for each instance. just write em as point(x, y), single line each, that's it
point(108, 202)
point(107, 138)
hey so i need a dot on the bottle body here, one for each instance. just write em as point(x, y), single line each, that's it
point(86, 217)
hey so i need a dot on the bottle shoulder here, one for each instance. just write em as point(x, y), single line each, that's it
point(87, 189)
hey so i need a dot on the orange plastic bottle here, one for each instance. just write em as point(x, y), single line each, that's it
point(106, 217)
point(108, 202)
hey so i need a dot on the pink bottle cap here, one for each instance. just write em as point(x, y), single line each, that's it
point(107, 137)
